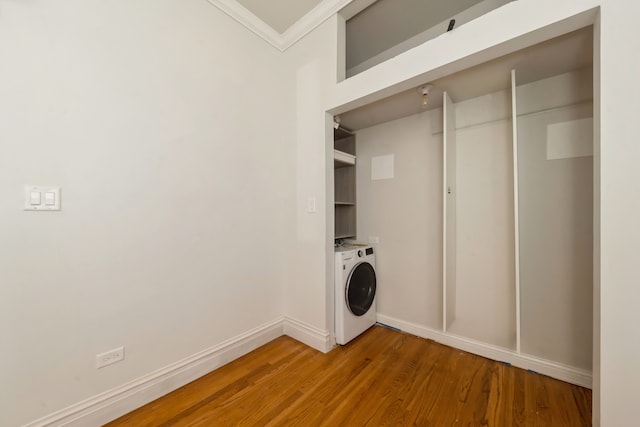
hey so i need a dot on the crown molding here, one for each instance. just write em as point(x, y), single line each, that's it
point(282, 42)
point(241, 14)
point(315, 17)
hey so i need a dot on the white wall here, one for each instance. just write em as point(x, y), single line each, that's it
point(160, 120)
point(311, 72)
point(556, 222)
point(619, 175)
point(406, 214)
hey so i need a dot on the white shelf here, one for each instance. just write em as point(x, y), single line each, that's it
point(345, 236)
point(340, 158)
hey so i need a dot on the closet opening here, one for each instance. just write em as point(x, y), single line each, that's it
point(483, 212)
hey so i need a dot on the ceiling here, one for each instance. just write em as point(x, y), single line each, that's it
point(280, 14)
point(560, 55)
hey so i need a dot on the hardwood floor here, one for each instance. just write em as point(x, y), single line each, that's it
point(383, 378)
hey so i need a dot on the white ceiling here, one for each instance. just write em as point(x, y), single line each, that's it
point(560, 55)
point(280, 14)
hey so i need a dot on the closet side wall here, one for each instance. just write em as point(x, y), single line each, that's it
point(405, 213)
point(556, 217)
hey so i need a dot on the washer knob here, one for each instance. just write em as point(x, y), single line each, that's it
point(360, 253)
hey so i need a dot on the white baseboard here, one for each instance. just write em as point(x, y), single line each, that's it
point(119, 401)
point(555, 370)
point(307, 334)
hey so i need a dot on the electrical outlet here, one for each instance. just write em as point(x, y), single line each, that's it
point(109, 357)
point(374, 240)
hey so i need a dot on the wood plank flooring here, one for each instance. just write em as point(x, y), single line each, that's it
point(383, 378)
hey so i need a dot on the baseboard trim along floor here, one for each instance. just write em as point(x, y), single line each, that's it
point(121, 400)
point(555, 370)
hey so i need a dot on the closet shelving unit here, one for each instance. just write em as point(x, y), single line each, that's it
point(479, 280)
point(344, 162)
point(517, 242)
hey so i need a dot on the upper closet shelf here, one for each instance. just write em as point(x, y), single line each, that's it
point(340, 158)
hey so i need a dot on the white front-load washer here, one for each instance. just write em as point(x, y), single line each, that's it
point(355, 291)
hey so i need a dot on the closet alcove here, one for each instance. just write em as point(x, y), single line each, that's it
point(344, 160)
point(485, 228)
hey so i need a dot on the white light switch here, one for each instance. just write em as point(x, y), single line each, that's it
point(311, 205)
point(35, 198)
point(34, 195)
point(50, 198)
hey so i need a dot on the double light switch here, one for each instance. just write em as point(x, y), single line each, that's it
point(37, 198)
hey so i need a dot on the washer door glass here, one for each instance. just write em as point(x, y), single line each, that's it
point(361, 288)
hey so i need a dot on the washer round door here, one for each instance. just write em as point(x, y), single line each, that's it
point(361, 288)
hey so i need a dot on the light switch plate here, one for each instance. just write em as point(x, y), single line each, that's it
point(50, 205)
point(311, 205)
point(50, 198)
point(35, 198)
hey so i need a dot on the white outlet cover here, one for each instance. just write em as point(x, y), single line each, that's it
point(42, 206)
point(109, 357)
